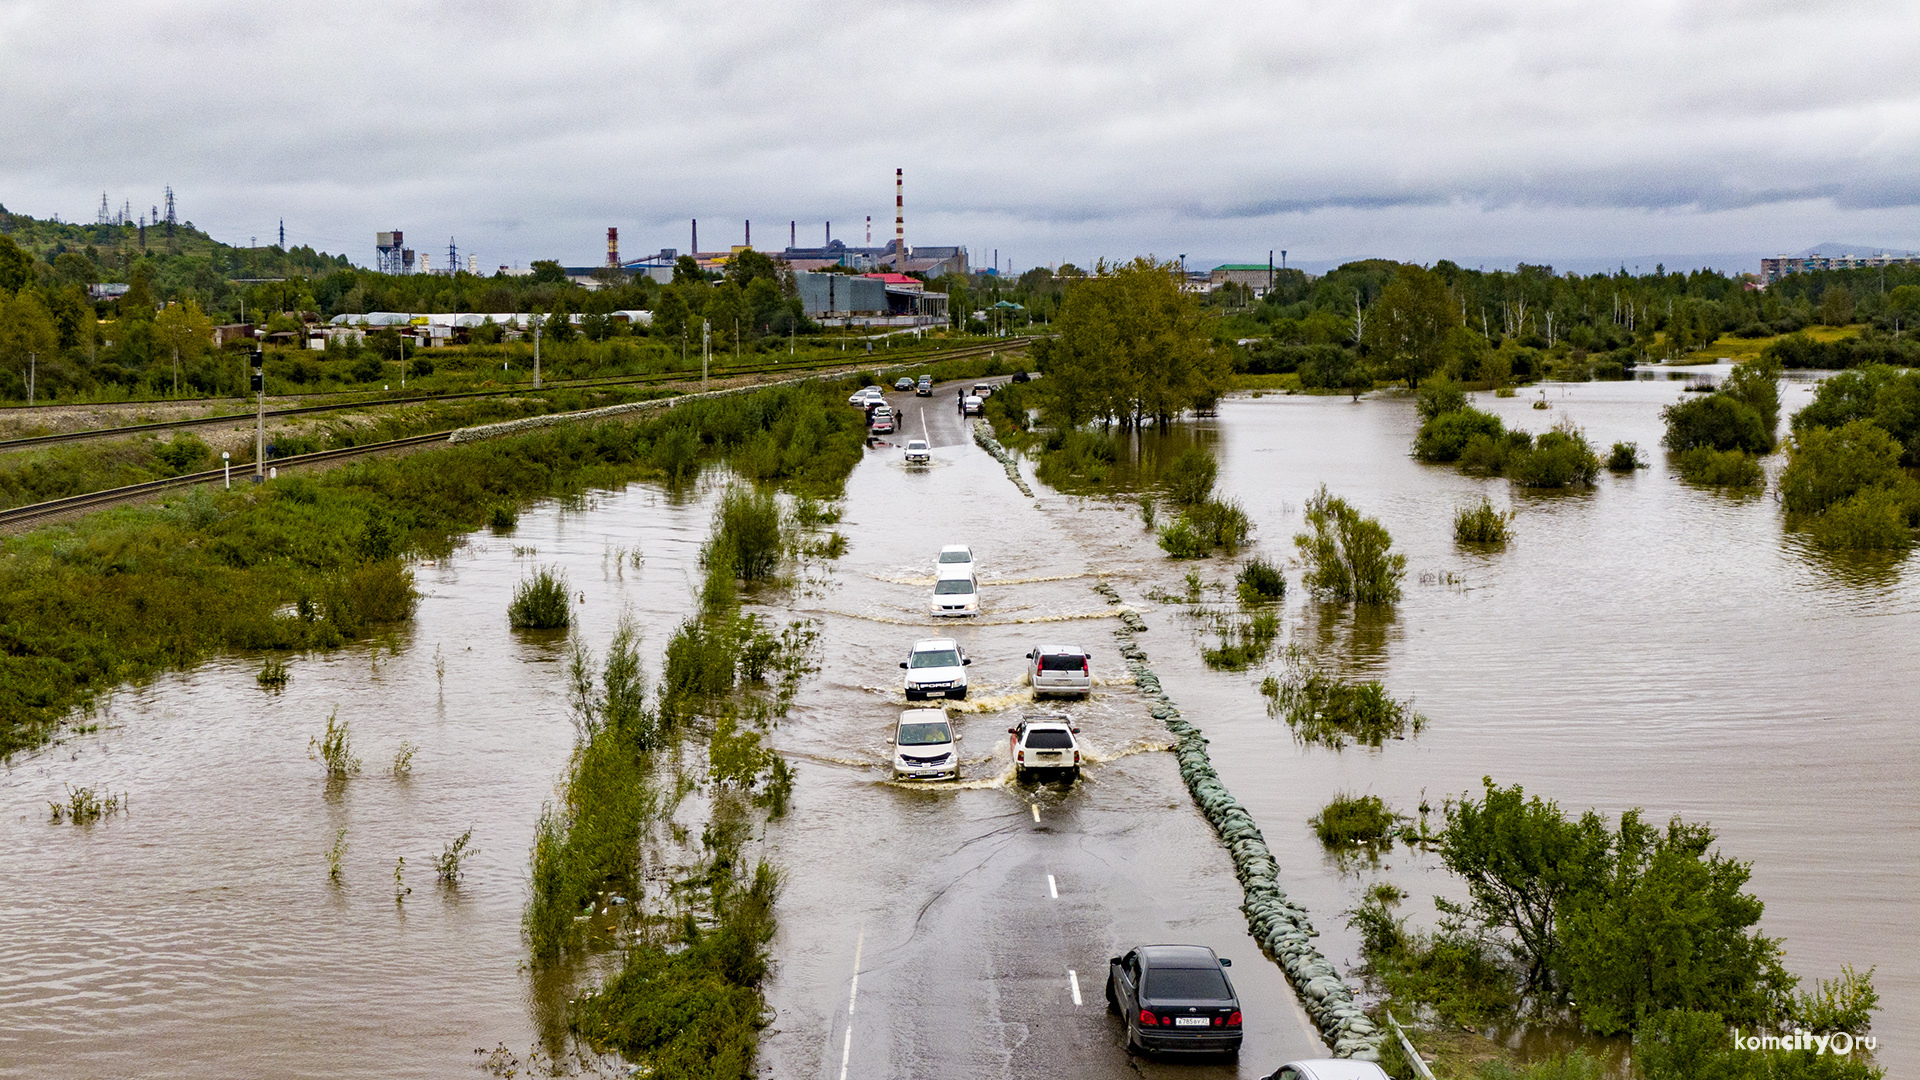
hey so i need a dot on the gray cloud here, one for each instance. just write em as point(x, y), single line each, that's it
point(1055, 131)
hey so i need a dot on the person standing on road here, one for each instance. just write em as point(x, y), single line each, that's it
point(960, 399)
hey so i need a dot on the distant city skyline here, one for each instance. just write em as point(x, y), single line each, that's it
point(1488, 134)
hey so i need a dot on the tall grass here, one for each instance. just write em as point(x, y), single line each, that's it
point(1482, 524)
point(333, 748)
point(541, 602)
point(449, 866)
point(86, 805)
point(1349, 555)
point(1243, 643)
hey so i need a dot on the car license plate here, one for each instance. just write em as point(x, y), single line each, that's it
point(1191, 1021)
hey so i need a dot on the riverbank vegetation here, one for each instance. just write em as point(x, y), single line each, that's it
point(315, 561)
point(541, 602)
point(1848, 481)
point(1624, 929)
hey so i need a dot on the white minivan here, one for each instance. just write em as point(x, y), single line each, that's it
point(924, 746)
point(936, 666)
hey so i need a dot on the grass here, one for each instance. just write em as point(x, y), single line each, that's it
point(1325, 710)
point(273, 674)
point(1260, 582)
point(1482, 524)
point(1356, 821)
point(86, 805)
point(541, 602)
point(1243, 643)
point(1454, 977)
point(1283, 383)
point(334, 749)
point(1720, 468)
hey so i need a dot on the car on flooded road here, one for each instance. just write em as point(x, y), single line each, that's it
point(1063, 670)
point(936, 666)
point(1043, 745)
point(972, 404)
point(955, 594)
point(924, 746)
point(882, 422)
point(1328, 1069)
point(954, 555)
point(1175, 999)
point(904, 382)
point(924, 388)
point(867, 396)
point(917, 452)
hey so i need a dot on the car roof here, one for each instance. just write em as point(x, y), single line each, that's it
point(1178, 956)
point(933, 643)
point(955, 547)
point(955, 571)
point(923, 716)
point(1336, 1069)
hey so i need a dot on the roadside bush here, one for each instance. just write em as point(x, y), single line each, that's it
point(1462, 978)
point(1200, 530)
point(1182, 541)
point(1260, 582)
point(184, 453)
point(1482, 524)
point(1558, 458)
point(1348, 554)
point(1720, 468)
point(541, 602)
point(1069, 456)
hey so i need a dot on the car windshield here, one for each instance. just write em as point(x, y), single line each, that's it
point(924, 734)
point(1049, 739)
point(936, 658)
point(955, 556)
point(1187, 984)
point(1061, 662)
point(953, 587)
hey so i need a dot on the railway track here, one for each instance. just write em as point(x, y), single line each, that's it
point(25, 442)
point(55, 509)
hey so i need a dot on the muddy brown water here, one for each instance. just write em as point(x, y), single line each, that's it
point(1644, 644)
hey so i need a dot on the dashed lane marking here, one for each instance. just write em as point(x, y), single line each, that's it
point(1052, 889)
point(853, 997)
point(1073, 980)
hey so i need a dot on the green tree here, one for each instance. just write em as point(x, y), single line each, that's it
point(28, 337)
point(1828, 465)
point(1407, 330)
point(1131, 348)
point(670, 313)
point(138, 302)
point(1836, 305)
point(1717, 421)
point(16, 266)
point(1348, 555)
point(547, 272)
point(1756, 384)
point(1520, 857)
point(1668, 927)
point(184, 332)
point(1903, 305)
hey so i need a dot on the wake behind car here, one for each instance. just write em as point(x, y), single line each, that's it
point(1044, 743)
point(936, 666)
point(1060, 669)
point(924, 746)
point(1175, 998)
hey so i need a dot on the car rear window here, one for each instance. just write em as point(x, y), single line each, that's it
point(1187, 984)
point(1049, 739)
point(936, 658)
point(1062, 662)
point(953, 587)
point(924, 734)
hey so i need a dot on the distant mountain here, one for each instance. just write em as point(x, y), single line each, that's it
point(1835, 248)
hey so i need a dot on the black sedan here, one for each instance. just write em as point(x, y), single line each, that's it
point(1175, 998)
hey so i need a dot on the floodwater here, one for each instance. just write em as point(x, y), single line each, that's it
point(1644, 644)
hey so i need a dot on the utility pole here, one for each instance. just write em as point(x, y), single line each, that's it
point(33, 365)
point(403, 363)
point(259, 416)
point(706, 340)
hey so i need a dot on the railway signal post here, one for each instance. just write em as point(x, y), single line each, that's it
point(260, 415)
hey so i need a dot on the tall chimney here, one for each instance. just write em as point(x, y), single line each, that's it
point(869, 230)
point(749, 234)
point(900, 220)
point(613, 247)
point(793, 234)
point(695, 252)
point(829, 234)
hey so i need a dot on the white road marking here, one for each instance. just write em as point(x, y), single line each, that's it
point(1073, 980)
point(1052, 889)
point(853, 996)
point(1036, 810)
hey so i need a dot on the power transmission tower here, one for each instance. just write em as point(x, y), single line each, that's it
point(453, 257)
point(171, 220)
point(283, 234)
point(106, 215)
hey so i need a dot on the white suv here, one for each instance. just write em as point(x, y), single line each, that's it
point(917, 452)
point(955, 593)
point(1044, 743)
point(936, 666)
point(1060, 669)
point(923, 746)
point(954, 555)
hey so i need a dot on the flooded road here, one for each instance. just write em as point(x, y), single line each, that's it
point(1645, 644)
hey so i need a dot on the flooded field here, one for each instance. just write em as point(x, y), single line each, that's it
point(1644, 644)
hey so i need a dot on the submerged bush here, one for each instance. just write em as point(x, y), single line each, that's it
point(1558, 458)
point(1259, 582)
point(1624, 457)
point(1874, 519)
point(1356, 821)
point(1446, 436)
point(1720, 468)
point(1482, 524)
point(1716, 420)
point(1349, 555)
point(1243, 644)
point(746, 539)
point(1069, 456)
point(1199, 530)
point(1326, 710)
point(333, 748)
point(541, 602)
point(1189, 477)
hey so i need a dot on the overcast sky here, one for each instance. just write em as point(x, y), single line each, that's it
point(1573, 133)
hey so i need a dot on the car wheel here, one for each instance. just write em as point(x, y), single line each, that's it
point(962, 695)
point(1073, 775)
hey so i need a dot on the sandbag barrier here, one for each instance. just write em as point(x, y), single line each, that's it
point(983, 434)
point(1281, 927)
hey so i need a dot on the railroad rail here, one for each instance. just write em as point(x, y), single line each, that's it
point(67, 506)
point(24, 442)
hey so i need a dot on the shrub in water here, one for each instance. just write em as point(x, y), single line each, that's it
point(334, 748)
point(1439, 397)
point(1348, 555)
point(1558, 458)
point(1720, 468)
point(1182, 541)
point(1624, 457)
point(1323, 709)
point(1259, 581)
point(746, 534)
point(273, 674)
point(1189, 477)
point(1445, 436)
point(503, 517)
point(447, 867)
point(1353, 821)
point(1874, 519)
point(541, 602)
point(1244, 644)
point(1828, 465)
point(1482, 524)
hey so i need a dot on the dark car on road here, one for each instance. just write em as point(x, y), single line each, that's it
point(1175, 998)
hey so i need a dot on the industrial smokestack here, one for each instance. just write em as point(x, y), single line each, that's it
point(613, 247)
point(900, 219)
point(793, 234)
point(869, 230)
point(695, 252)
point(829, 234)
point(749, 234)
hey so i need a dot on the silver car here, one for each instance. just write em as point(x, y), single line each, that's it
point(1064, 670)
point(924, 746)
